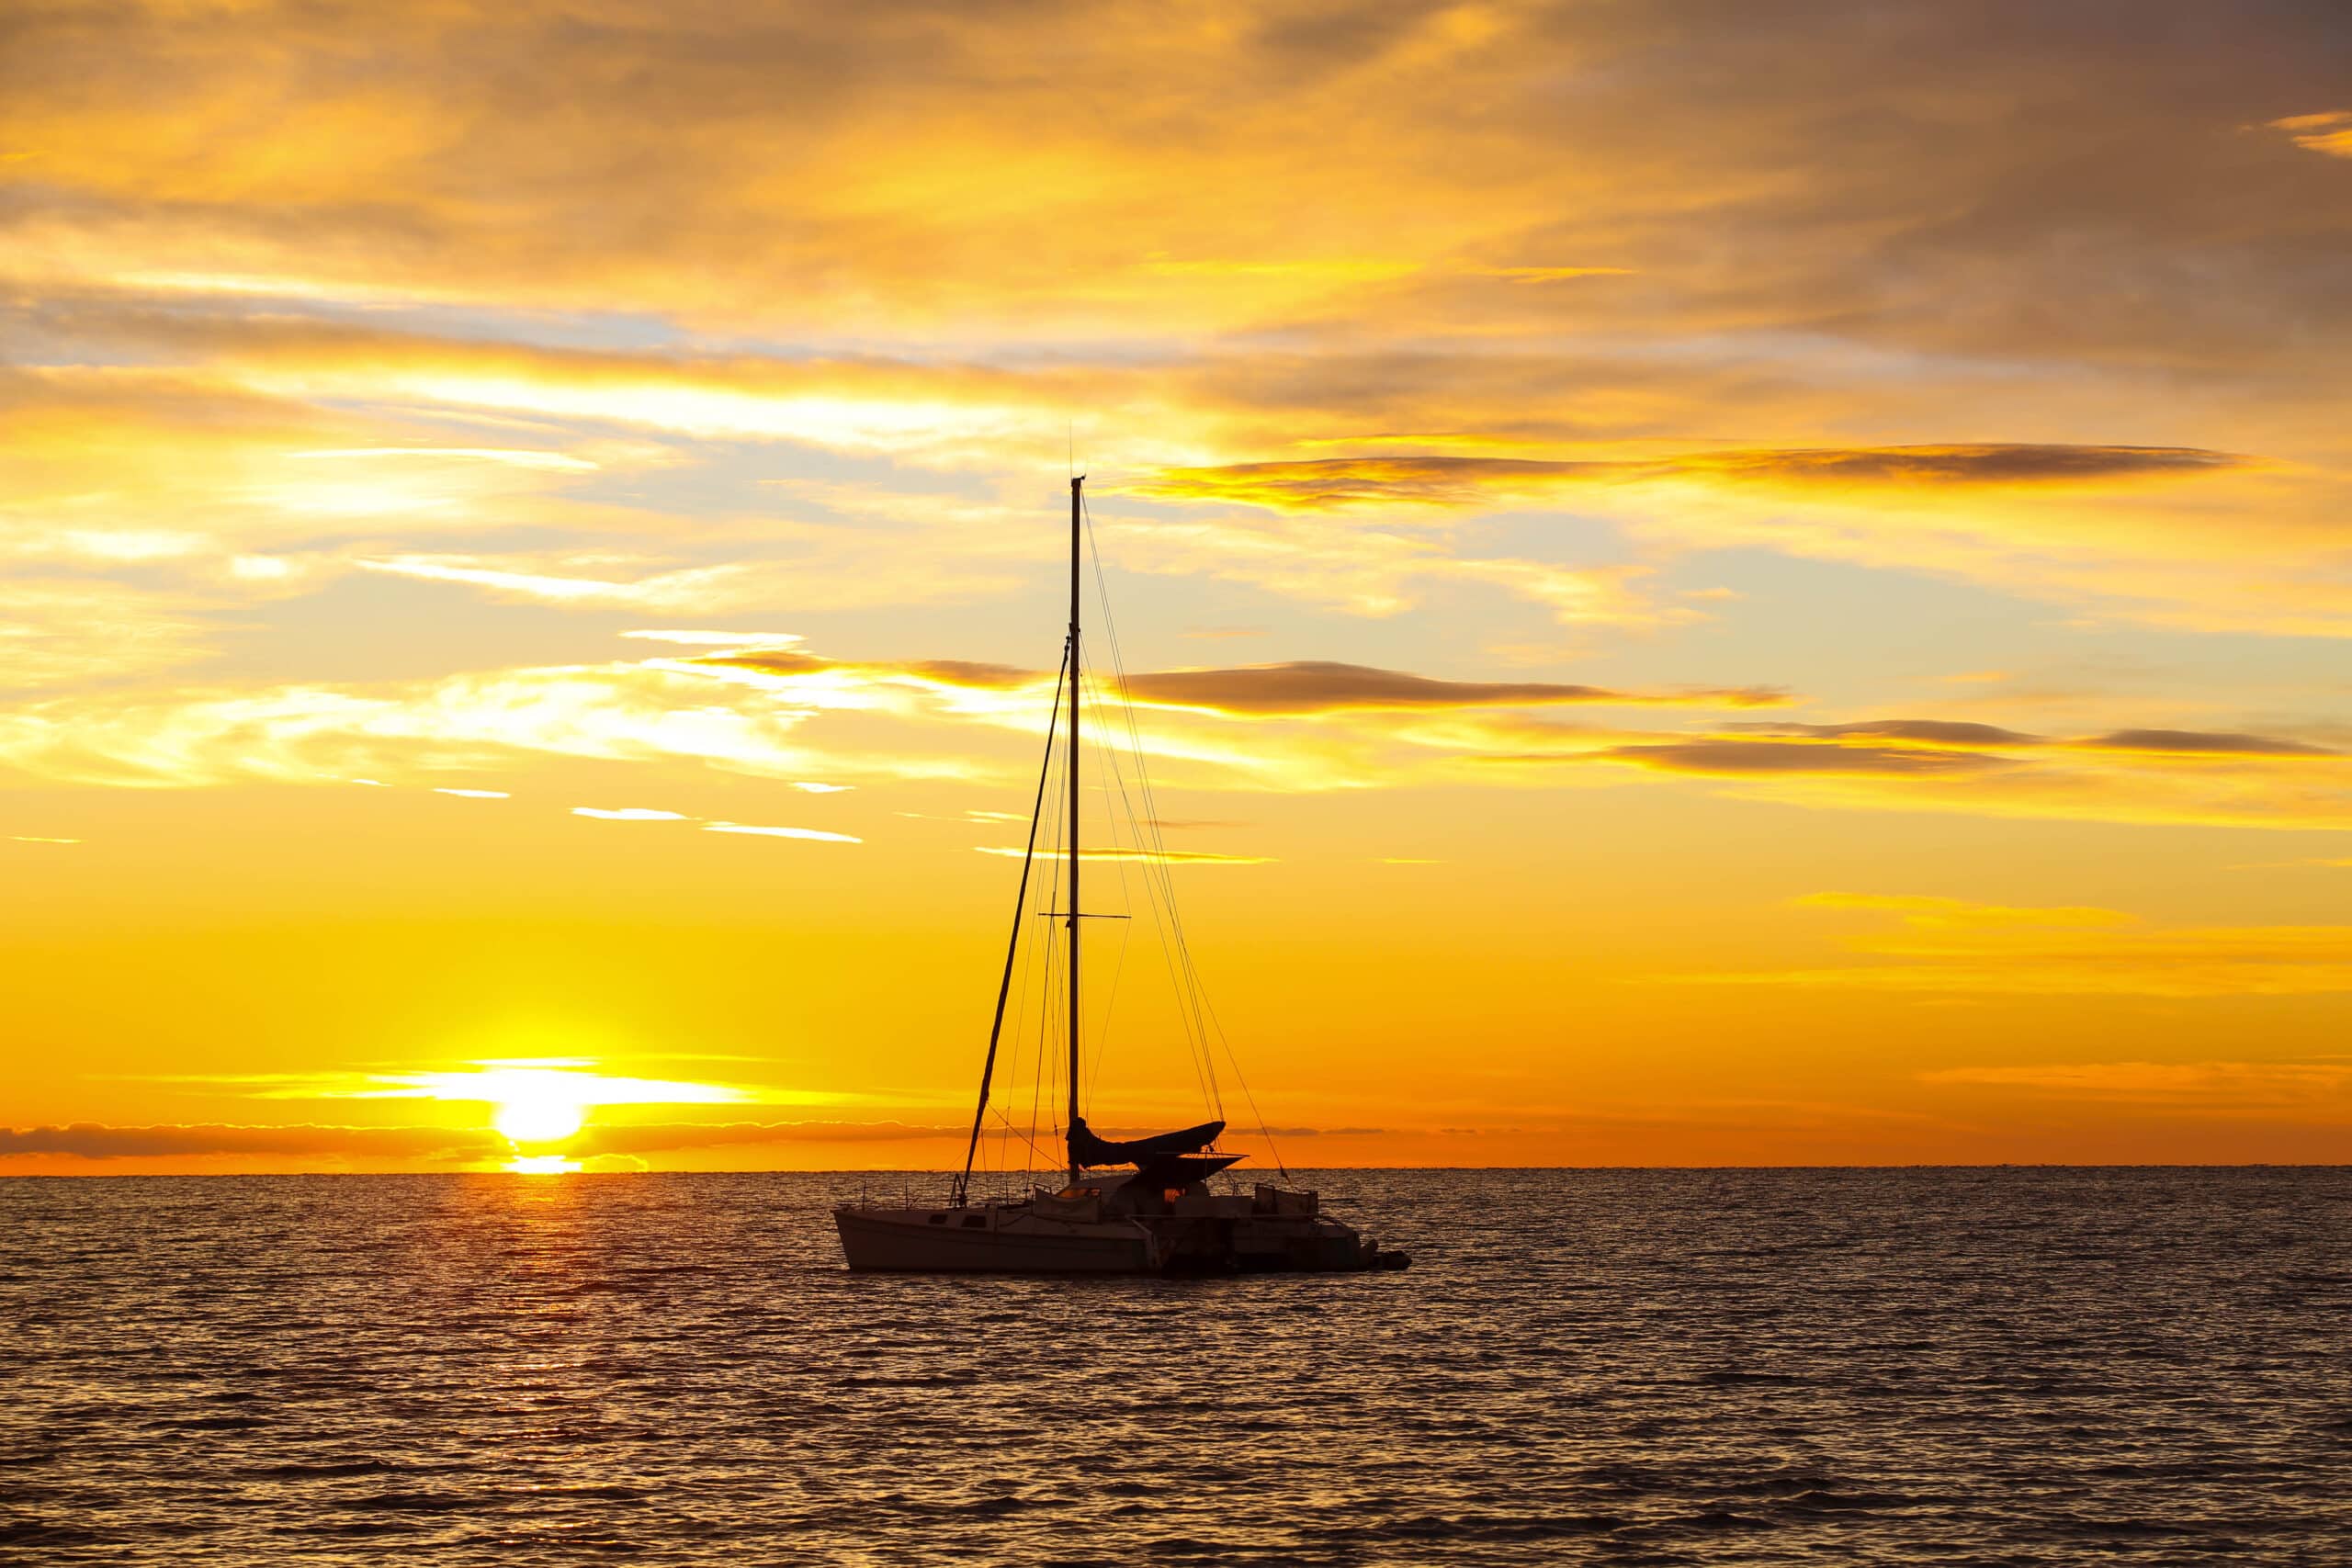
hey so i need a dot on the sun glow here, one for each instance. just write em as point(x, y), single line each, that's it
point(538, 1101)
point(540, 1115)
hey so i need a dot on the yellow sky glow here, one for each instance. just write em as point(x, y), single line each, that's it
point(1694, 585)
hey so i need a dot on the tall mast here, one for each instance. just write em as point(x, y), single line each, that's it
point(1076, 480)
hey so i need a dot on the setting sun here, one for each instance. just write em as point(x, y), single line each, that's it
point(538, 1116)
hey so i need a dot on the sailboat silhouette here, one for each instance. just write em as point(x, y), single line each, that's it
point(1160, 1215)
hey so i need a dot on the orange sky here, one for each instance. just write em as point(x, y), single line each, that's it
point(1704, 584)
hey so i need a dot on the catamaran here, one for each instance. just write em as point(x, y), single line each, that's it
point(1141, 1205)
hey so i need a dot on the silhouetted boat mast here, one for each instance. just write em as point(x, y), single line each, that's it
point(1162, 1217)
point(1076, 483)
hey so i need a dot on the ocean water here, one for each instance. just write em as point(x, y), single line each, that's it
point(2027, 1366)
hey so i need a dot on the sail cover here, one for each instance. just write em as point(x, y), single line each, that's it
point(1087, 1150)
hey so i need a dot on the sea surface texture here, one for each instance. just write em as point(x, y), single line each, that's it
point(2026, 1366)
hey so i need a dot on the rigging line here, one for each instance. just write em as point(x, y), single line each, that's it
point(1150, 845)
point(1238, 1076)
point(1016, 1132)
point(1158, 882)
point(1195, 1038)
point(1164, 882)
point(1102, 1040)
point(1190, 987)
point(1019, 913)
point(1119, 961)
point(1126, 898)
point(1143, 768)
point(1118, 778)
point(1143, 772)
point(1110, 760)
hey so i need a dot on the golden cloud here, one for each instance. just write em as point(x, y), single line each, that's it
point(1290, 689)
point(1447, 480)
point(2328, 132)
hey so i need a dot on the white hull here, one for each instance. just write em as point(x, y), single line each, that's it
point(1195, 1233)
point(943, 1241)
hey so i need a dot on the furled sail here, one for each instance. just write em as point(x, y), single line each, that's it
point(1086, 1149)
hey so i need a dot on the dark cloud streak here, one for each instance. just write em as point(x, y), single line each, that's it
point(1445, 480)
point(1299, 689)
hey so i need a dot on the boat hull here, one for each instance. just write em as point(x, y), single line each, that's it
point(934, 1241)
point(1018, 1239)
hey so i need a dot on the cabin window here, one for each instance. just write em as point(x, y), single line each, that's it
point(1079, 1192)
point(1172, 1193)
point(939, 1219)
point(973, 1222)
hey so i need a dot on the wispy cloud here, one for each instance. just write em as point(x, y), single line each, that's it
point(1295, 689)
point(97, 1141)
point(333, 1144)
point(704, 587)
point(1447, 480)
point(2204, 743)
point(2329, 132)
point(2309, 1091)
point(577, 1081)
point(810, 833)
point(1327, 687)
point(1739, 758)
point(2209, 1085)
point(1955, 946)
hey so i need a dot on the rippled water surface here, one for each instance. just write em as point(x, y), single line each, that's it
point(2011, 1366)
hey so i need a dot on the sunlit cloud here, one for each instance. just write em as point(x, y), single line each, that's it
point(1383, 572)
point(476, 793)
point(2329, 132)
point(592, 1147)
point(499, 1083)
point(61, 633)
point(628, 814)
point(700, 586)
point(1743, 757)
point(812, 834)
point(1295, 689)
point(1327, 687)
point(1447, 481)
point(97, 1141)
point(560, 462)
point(1921, 731)
point(2196, 743)
point(718, 640)
point(779, 712)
